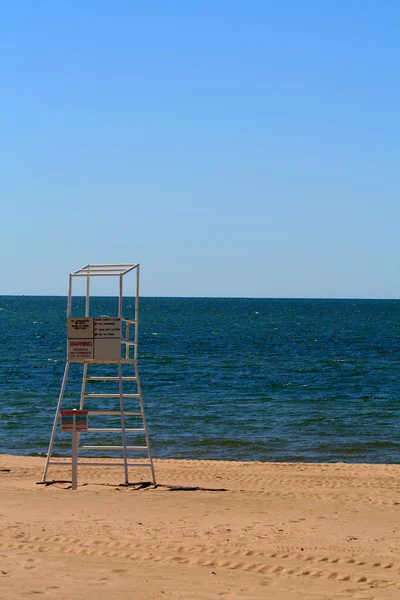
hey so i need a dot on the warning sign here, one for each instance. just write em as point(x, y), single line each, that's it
point(80, 349)
point(80, 328)
point(107, 328)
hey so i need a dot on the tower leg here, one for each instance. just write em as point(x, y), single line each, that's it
point(146, 433)
point(53, 433)
point(122, 409)
point(83, 388)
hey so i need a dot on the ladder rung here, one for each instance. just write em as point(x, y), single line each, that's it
point(115, 413)
point(112, 448)
point(110, 378)
point(113, 429)
point(128, 342)
point(129, 320)
point(112, 395)
point(102, 464)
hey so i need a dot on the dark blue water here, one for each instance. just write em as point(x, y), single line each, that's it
point(237, 379)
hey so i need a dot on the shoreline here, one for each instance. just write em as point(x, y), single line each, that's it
point(42, 456)
point(315, 531)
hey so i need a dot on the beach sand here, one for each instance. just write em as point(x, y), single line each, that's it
point(279, 531)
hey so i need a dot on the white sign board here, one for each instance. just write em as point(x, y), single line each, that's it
point(94, 339)
point(80, 349)
point(107, 328)
point(107, 349)
point(80, 328)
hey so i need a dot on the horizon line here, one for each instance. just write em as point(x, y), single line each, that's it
point(203, 297)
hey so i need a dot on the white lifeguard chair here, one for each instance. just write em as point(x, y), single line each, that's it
point(98, 343)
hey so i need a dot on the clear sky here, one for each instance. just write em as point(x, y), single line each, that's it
point(232, 148)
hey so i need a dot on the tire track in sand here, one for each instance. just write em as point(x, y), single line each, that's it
point(379, 574)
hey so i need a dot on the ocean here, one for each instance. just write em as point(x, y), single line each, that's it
point(224, 379)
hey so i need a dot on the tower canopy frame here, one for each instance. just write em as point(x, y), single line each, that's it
point(104, 270)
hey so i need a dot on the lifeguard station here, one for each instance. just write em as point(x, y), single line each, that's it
point(102, 344)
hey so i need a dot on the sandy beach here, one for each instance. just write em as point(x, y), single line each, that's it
point(252, 530)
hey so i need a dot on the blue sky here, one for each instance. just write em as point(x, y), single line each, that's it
point(232, 148)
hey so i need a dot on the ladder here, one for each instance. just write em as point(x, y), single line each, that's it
point(116, 402)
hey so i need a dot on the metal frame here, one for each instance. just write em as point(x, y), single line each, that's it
point(119, 271)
